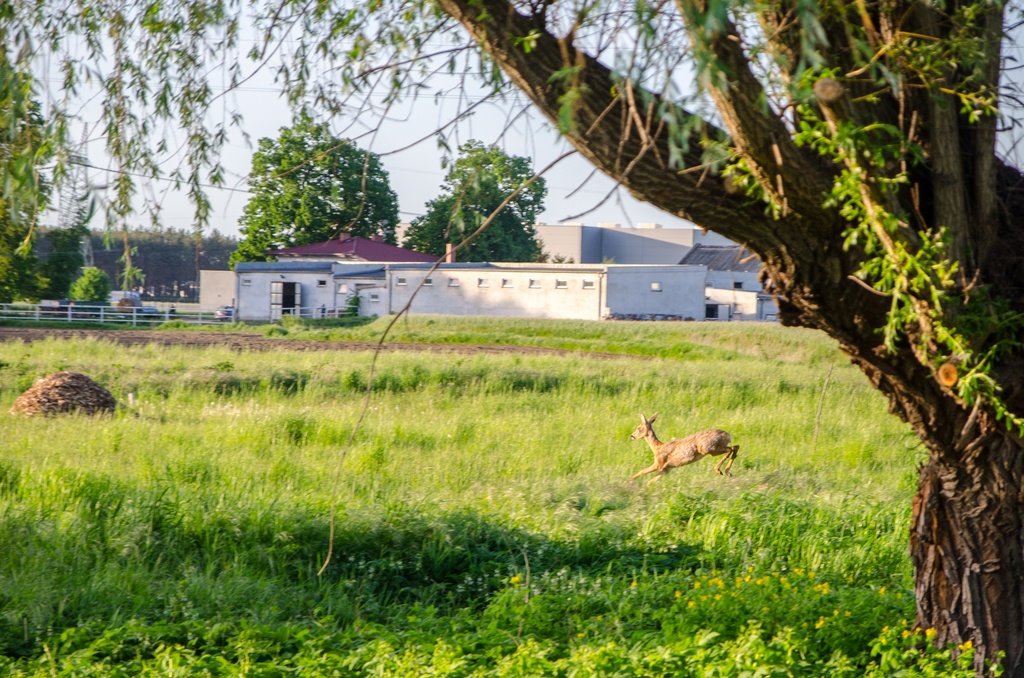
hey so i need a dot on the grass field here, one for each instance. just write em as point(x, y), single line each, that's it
point(483, 525)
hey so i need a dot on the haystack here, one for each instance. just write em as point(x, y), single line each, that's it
point(64, 392)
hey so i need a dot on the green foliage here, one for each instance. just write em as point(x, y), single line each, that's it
point(23, 190)
point(475, 186)
point(309, 186)
point(915, 269)
point(65, 259)
point(92, 286)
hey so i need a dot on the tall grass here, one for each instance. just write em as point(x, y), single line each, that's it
point(484, 525)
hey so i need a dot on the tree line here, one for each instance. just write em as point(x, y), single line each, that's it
point(169, 260)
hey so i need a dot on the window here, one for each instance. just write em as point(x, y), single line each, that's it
point(506, 282)
point(711, 311)
point(428, 282)
point(655, 286)
point(343, 288)
point(534, 284)
point(588, 284)
point(561, 284)
point(246, 281)
point(374, 297)
point(321, 283)
point(401, 281)
point(737, 285)
point(453, 282)
point(482, 282)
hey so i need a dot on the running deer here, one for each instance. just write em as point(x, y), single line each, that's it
point(680, 452)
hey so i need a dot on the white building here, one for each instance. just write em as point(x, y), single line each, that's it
point(266, 291)
point(614, 243)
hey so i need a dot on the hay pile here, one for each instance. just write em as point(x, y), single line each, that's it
point(64, 392)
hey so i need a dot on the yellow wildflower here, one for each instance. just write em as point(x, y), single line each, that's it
point(515, 579)
point(930, 633)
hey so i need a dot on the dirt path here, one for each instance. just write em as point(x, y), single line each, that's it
point(240, 341)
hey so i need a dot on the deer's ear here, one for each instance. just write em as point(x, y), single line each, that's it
point(643, 419)
point(651, 420)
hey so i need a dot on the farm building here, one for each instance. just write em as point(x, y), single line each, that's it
point(646, 243)
point(267, 291)
point(711, 281)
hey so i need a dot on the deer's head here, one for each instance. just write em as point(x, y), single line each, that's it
point(641, 431)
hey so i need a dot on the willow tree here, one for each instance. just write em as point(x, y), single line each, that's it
point(852, 145)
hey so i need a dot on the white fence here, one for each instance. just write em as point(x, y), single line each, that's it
point(84, 313)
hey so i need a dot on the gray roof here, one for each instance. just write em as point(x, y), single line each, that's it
point(282, 266)
point(723, 258)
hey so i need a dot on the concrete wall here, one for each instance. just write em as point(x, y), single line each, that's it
point(317, 285)
point(643, 244)
point(519, 290)
point(527, 291)
point(216, 288)
point(727, 280)
point(656, 290)
point(744, 304)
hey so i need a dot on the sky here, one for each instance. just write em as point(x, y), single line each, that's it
point(410, 154)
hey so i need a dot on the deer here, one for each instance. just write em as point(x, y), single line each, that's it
point(680, 452)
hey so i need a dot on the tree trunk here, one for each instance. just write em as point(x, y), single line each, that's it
point(967, 545)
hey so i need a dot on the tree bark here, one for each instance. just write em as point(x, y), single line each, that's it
point(966, 542)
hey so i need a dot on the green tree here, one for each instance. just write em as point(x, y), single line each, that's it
point(852, 146)
point(475, 187)
point(93, 286)
point(63, 260)
point(309, 186)
point(23, 195)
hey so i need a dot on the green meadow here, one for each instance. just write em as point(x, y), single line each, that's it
point(320, 513)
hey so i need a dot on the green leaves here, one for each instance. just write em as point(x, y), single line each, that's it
point(309, 186)
point(476, 185)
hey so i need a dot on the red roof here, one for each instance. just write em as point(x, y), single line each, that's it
point(354, 247)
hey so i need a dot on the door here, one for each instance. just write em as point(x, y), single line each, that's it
point(285, 299)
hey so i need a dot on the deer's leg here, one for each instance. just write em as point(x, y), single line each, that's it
point(657, 477)
point(650, 469)
point(731, 457)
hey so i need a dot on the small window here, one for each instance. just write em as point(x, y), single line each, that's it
point(321, 283)
point(343, 288)
point(401, 281)
point(561, 284)
point(534, 284)
point(482, 282)
point(453, 282)
point(246, 281)
point(374, 297)
point(428, 282)
point(506, 282)
point(588, 284)
point(655, 286)
point(737, 285)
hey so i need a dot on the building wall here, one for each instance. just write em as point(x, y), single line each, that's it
point(744, 304)
point(643, 244)
point(656, 290)
point(727, 280)
point(216, 288)
point(527, 291)
point(517, 290)
point(254, 291)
